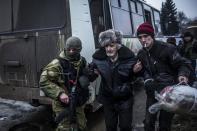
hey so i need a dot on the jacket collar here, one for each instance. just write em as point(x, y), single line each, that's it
point(123, 53)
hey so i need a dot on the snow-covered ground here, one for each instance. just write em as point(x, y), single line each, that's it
point(14, 113)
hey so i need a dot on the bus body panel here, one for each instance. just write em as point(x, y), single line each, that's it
point(82, 26)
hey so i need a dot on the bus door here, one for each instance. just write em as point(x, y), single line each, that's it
point(17, 64)
point(100, 16)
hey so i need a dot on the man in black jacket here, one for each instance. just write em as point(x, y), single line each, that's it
point(115, 62)
point(162, 66)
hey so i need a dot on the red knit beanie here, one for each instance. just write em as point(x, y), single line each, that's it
point(145, 28)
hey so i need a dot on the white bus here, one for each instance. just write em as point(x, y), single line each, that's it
point(32, 33)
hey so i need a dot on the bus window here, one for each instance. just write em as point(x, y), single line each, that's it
point(157, 22)
point(123, 4)
point(5, 15)
point(137, 20)
point(122, 21)
point(139, 8)
point(136, 7)
point(133, 8)
point(36, 14)
point(100, 17)
point(137, 14)
point(148, 16)
point(121, 17)
point(19, 15)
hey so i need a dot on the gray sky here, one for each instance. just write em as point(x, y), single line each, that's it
point(189, 7)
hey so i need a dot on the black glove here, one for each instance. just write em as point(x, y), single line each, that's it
point(89, 72)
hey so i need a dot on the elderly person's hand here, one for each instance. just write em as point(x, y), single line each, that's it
point(137, 67)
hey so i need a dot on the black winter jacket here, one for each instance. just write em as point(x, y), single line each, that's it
point(116, 78)
point(163, 63)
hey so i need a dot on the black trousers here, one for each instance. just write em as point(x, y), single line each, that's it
point(165, 118)
point(119, 114)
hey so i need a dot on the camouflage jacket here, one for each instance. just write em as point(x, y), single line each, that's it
point(51, 80)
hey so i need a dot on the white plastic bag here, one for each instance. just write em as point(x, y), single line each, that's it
point(181, 99)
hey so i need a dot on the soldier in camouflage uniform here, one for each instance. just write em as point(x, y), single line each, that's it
point(59, 76)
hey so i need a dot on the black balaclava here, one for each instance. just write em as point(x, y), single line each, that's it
point(73, 43)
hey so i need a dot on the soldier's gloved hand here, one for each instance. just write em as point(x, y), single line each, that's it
point(91, 71)
point(149, 85)
point(64, 98)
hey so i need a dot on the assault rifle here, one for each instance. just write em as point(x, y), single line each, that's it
point(71, 112)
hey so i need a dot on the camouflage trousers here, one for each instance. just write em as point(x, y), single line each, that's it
point(65, 124)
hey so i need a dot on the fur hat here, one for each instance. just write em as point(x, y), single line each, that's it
point(110, 36)
point(145, 28)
